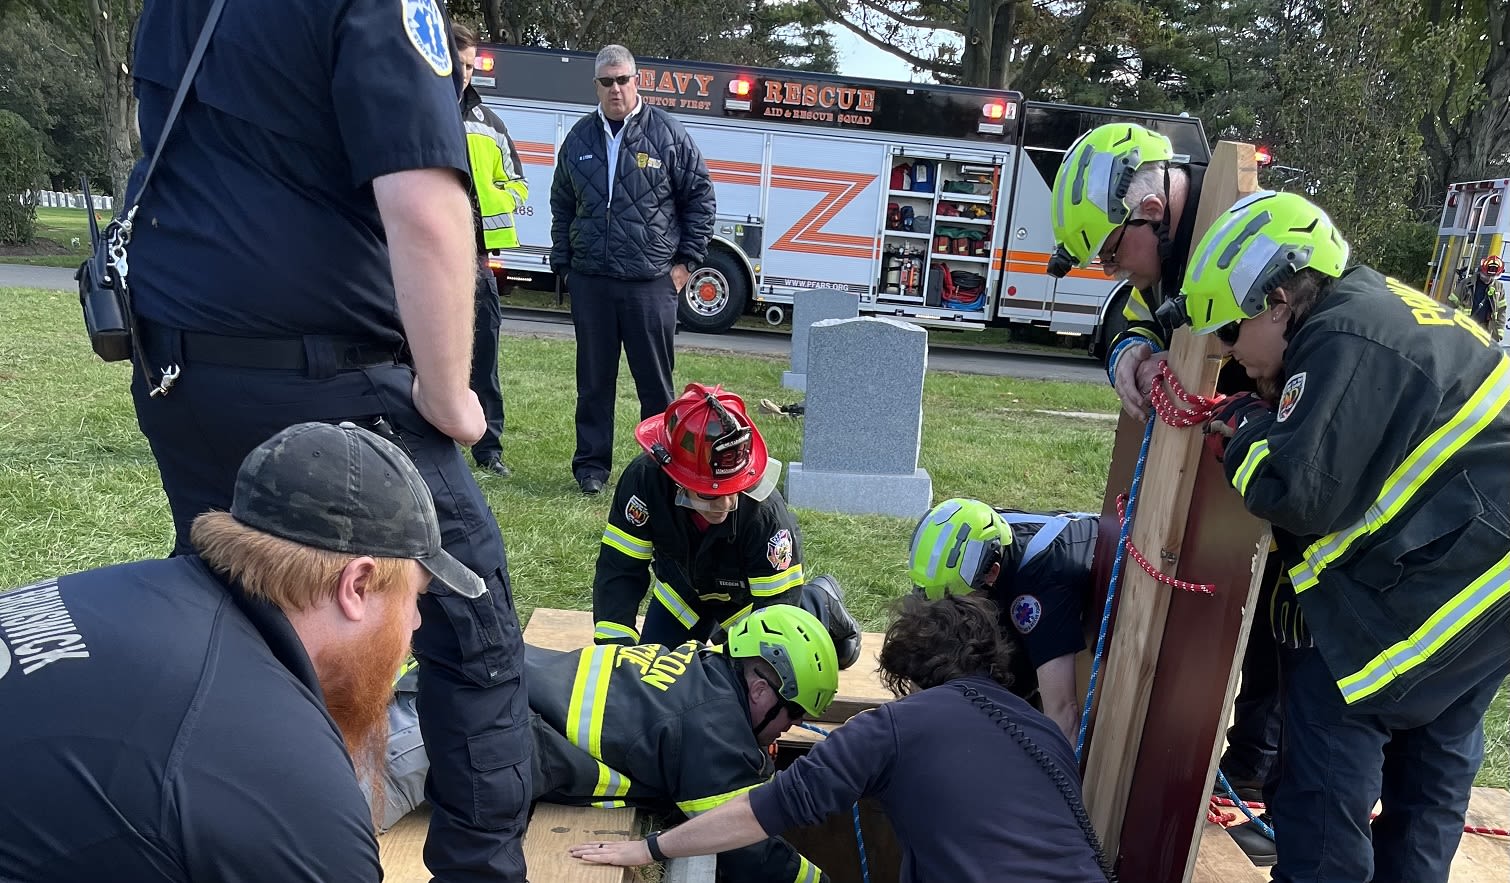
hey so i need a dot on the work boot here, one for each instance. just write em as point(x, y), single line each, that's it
point(823, 598)
point(1255, 845)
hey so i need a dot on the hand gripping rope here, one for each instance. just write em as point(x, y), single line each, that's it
point(1200, 410)
point(859, 837)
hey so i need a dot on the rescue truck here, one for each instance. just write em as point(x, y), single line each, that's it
point(929, 202)
point(1475, 224)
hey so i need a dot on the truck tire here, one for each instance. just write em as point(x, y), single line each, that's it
point(715, 296)
point(1115, 323)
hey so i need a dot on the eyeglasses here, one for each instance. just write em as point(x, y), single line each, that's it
point(1228, 333)
point(1107, 259)
point(609, 82)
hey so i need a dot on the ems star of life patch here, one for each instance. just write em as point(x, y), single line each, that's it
point(1294, 388)
point(1026, 611)
point(426, 28)
point(636, 512)
point(778, 550)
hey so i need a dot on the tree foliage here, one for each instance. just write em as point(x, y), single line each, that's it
point(22, 165)
point(46, 81)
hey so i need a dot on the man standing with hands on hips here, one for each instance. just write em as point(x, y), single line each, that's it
point(632, 211)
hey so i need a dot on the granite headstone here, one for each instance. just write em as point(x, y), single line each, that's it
point(808, 307)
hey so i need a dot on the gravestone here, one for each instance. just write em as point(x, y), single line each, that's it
point(809, 307)
point(863, 425)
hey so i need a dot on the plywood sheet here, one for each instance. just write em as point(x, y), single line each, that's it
point(552, 829)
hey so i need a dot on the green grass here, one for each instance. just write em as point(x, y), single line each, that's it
point(78, 485)
point(53, 246)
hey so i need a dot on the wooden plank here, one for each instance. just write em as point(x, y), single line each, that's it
point(1482, 858)
point(1159, 529)
point(552, 829)
point(1221, 860)
point(401, 849)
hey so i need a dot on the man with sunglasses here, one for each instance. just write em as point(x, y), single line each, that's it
point(697, 521)
point(632, 211)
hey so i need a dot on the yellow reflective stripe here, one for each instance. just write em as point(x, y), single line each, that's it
point(608, 630)
point(776, 583)
point(608, 804)
point(611, 782)
point(589, 694)
point(1257, 453)
point(807, 872)
point(1447, 623)
point(410, 664)
point(1410, 476)
point(630, 545)
point(1136, 308)
point(703, 804)
point(729, 623)
point(675, 605)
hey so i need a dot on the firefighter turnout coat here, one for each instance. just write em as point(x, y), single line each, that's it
point(752, 559)
point(1388, 464)
point(498, 182)
point(653, 726)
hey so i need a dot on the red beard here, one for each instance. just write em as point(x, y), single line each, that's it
point(357, 679)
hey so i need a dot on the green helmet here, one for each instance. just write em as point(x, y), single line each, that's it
point(797, 645)
point(1250, 250)
point(954, 547)
point(1090, 189)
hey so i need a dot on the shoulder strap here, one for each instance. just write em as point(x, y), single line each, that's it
point(1060, 778)
point(190, 70)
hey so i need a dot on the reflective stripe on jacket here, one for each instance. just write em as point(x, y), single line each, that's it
point(1389, 460)
point(497, 176)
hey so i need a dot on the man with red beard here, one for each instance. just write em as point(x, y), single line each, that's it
point(196, 718)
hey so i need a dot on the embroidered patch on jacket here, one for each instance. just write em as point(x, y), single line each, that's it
point(1026, 611)
point(426, 28)
point(778, 549)
point(636, 512)
point(1295, 387)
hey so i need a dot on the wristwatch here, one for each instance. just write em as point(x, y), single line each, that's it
point(652, 843)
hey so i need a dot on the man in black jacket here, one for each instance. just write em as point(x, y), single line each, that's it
point(631, 214)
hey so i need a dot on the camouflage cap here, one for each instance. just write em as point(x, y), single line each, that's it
point(344, 489)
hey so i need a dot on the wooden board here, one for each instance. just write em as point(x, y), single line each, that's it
point(552, 829)
point(1134, 653)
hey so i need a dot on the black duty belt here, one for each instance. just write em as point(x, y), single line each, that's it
point(267, 353)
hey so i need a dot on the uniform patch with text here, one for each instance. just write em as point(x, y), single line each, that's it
point(426, 28)
point(1026, 611)
point(1295, 387)
point(636, 512)
point(778, 550)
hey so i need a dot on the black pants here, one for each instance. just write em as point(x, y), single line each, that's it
point(640, 317)
point(485, 365)
point(474, 711)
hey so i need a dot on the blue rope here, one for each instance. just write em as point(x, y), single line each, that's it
point(859, 836)
point(1263, 828)
point(1111, 587)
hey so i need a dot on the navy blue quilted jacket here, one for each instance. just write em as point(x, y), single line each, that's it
point(662, 206)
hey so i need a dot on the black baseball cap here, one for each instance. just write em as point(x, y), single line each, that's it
point(345, 489)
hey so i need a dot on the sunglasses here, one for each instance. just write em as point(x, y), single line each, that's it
point(1228, 333)
point(609, 82)
point(1121, 235)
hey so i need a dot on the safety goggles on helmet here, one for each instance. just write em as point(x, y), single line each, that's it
point(1090, 189)
point(955, 546)
point(1251, 249)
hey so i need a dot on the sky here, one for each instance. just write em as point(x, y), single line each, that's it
point(858, 58)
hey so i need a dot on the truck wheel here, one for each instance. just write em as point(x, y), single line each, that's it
point(1115, 323)
point(715, 296)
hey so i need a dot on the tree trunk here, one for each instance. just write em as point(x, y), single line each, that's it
point(976, 61)
point(1003, 24)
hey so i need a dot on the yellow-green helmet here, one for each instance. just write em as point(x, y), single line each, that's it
point(798, 647)
point(954, 547)
point(1253, 248)
point(1090, 189)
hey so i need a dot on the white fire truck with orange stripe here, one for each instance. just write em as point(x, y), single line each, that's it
point(931, 203)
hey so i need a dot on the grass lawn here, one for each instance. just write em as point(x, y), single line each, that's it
point(53, 246)
point(78, 485)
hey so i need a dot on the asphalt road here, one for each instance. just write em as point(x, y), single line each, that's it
point(1031, 366)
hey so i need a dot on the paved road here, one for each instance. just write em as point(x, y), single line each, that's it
point(529, 322)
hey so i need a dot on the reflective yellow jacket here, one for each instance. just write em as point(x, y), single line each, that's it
point(497, 175)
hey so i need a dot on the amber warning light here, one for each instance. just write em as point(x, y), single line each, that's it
point(739, 93)
point(993, 116)
point(484, 63)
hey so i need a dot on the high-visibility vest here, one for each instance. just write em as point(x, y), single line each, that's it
point(496, 177)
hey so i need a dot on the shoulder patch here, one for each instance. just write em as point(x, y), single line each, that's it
point(636, 512)
point(426, 28)
point(778, 549)
point(1026, 611)
point(1295, 387)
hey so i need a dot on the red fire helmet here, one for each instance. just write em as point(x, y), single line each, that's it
point(1492, 265)
point(707, 444)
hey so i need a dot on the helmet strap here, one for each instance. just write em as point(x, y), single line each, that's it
point(774, 710)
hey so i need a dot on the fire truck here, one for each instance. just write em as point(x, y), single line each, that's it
point(1475, 224)
point(928, 202)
